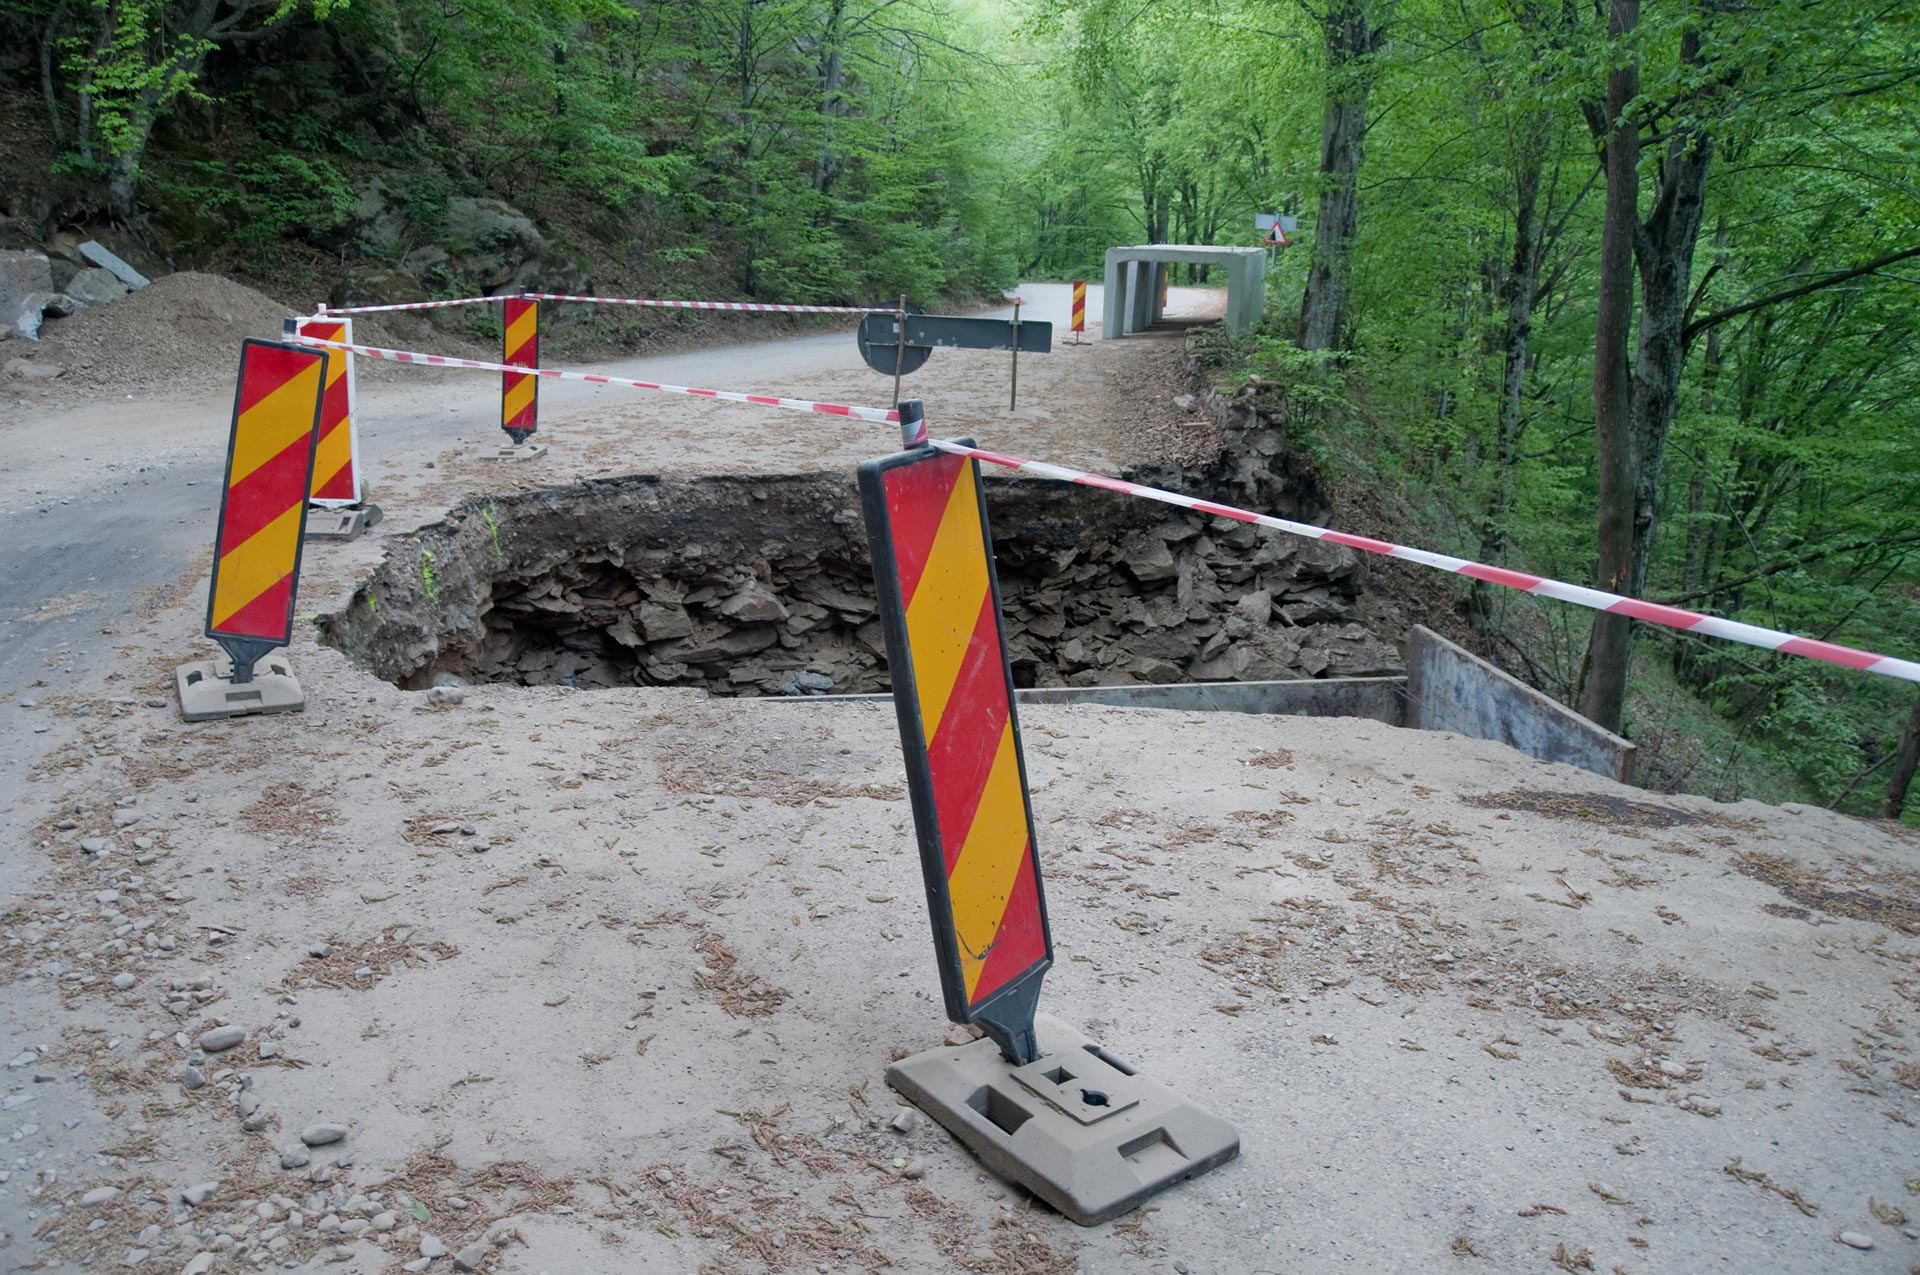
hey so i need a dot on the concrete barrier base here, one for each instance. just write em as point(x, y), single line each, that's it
point(518, 451)
point(1077, 1127)
point(341, 524)
point(206, 689)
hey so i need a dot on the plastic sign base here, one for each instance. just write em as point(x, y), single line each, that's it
point(518, 451)
point(207, 689)
point(341, 524)
point(1078, 1127)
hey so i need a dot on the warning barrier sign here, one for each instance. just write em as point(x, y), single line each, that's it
point(1079, 306)
point(277, 409)
point(270, 451)
point(336, 459)
point(953, 693)
point(519, 392)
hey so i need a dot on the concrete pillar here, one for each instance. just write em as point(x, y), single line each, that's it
point(1156, 311)
point(1246, 291)
point(1114, 296)
point(1140, 309)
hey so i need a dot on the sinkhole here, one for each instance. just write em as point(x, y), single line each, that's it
point(761, 586)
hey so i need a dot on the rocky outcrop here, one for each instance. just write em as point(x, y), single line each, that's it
point(471, 245)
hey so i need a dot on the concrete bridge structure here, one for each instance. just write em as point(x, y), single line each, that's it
point(1134, 276)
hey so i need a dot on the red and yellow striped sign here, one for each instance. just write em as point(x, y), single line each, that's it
point(336, 462)
point(933, 562)
point(256, 560)
point(1079, 305)
point(520, 393)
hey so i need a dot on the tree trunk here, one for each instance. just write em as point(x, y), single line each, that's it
point(1905, 759)
point(1664, 248)
point(1351, 41)
point(826, 165)
point(1604, 690)
point(1522, 280)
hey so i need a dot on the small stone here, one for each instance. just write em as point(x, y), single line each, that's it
point(25, 1058)
point(431, 1247)
point(1854, 1239)
point(95, 845)
point(222, 1038)
point(905, 1121)
point(123, 980)
point(448, 695)
point(200, 1265)
point(321, 1135)
point(100, 1195)
point(292, 1158)
point(255, 1122)
point(134, 1257)
point(417, 1264)
point(247, 1104)
point(663, 1176)
point(1677, 1070)
point(470, 1257)
point(199, 1193)
point(364, 973)
point(385, 1221)
point(916, 1169)
point(268, 1048)
point(125, 818)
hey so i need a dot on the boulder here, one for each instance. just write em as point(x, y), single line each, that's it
point(490, 240)
point(26, 285)
point(1148, 557)
point(556, 270)
point(375, 284)
point(95, 286)
point(378, 220)
point(131, 252)
point(755, 603)
point(105, 258)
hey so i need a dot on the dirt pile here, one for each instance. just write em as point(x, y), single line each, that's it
point(762, 587)
point(181, 333)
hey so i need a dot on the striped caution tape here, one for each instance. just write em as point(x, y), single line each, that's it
point(878, 416)
point(760, 306)
point(766, 307)
point(1538, 586)
point(330, 311)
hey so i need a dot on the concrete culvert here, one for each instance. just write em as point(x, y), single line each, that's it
point(762, 586)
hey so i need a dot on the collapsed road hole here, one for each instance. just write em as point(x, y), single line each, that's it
point(761, 586)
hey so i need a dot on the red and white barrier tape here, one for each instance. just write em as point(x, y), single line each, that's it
point(328, 312)
point(767, 307)
point(1652, 612)
point(877, 415)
